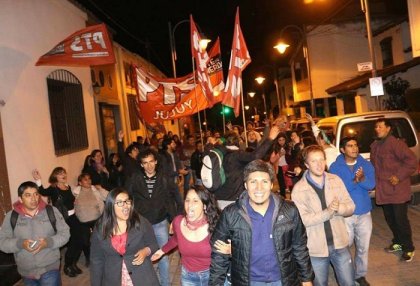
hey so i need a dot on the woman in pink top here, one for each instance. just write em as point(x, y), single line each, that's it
point(192, 232)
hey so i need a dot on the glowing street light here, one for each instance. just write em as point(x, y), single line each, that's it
point(251, 94)
point(281, 47)
point(260, 79)
point(247, 107)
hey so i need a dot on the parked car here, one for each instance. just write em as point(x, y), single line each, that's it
point(362, 126)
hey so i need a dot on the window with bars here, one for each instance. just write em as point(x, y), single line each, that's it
point(67, 112)
point(386, 50)
point(133, 112)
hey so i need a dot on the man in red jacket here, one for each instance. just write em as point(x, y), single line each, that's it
point(394, 163)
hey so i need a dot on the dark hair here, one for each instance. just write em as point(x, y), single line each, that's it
point(148, 152)
point(386, 121)
point(310, 149)
point(92, 160)
point(88, 161)
point(53, 177)
point(130, 148)
point(83, 175)
point(166, 142)
point(308, 141)
point(346, 139)
point(276, 146)
point(111, 158)
point(26, 185)
point(107, 223)
point(211, 210)
point(232, 139)
point(258, 166)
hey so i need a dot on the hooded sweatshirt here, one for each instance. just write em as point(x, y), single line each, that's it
point(34, 227)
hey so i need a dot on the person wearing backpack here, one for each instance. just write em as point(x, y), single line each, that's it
point(234, 162)
point(34, 236)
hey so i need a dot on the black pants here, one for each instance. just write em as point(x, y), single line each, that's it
point(282, 183)
point(397, 220)
point(75, 244)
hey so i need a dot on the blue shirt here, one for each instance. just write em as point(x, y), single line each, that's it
point(264, 266)
point(359, 191)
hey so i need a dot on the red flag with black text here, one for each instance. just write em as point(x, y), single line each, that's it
point(239, 59)
point(201, 59)
point(162, 99)
point(90, 46)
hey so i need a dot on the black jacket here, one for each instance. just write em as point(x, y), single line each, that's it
point(234, 162)
point(289, 240)
point(106, 262)
point(156, 208)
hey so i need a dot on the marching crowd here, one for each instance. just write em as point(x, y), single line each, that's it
point(128, 212)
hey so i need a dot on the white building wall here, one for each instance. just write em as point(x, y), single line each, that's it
point(334, 53)
point(28, 29)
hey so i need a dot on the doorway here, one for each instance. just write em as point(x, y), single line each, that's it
point(110, 125)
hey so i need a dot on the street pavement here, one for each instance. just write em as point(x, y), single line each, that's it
point(385, 269)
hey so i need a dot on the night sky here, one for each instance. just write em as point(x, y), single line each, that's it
point(142, 26)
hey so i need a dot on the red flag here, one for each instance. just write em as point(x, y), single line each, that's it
point(166, 99)
point(201, 58)
point(239, 59)
point(87, 47)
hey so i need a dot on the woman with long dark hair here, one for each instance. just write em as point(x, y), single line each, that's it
point(278, 161)
point(192, 231)
point(121, 244)
point(60, 194)
point(95, 166)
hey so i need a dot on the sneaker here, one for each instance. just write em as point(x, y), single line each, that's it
point(362, 282)
point(407, 256)
point(393, 248)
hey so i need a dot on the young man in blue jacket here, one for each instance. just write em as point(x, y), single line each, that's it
point(358, 175)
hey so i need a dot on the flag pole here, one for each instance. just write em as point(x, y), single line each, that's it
point(224, 120)
point(243, 115)
point(196, 102)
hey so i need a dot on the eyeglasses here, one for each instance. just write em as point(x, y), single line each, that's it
point(123, 203)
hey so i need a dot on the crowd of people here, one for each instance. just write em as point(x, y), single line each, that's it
point(128, 213)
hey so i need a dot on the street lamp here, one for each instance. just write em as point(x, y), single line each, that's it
point(251, 94)
point(273, 69)
point(203, 45)
point(281, 47)
point(203, 42)
point(260, 80)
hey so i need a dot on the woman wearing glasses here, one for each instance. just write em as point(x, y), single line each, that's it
point(122, 242)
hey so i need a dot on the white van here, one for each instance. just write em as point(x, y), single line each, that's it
point(362, 126)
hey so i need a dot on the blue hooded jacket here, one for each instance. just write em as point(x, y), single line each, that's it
point(359, 192)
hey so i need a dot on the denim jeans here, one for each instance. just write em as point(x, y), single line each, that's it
point(359, 228)
point(162, 235)
point(342, 264)
point(257, 283)
point(200, 278)
point(187, 179)
point(50, 278)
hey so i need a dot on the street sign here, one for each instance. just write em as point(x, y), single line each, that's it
point(376, 86)
point(366, 66)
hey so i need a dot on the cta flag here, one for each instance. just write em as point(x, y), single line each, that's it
point(166, 99)
point(201, 58)
point(239, 59)
point(88, 47)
